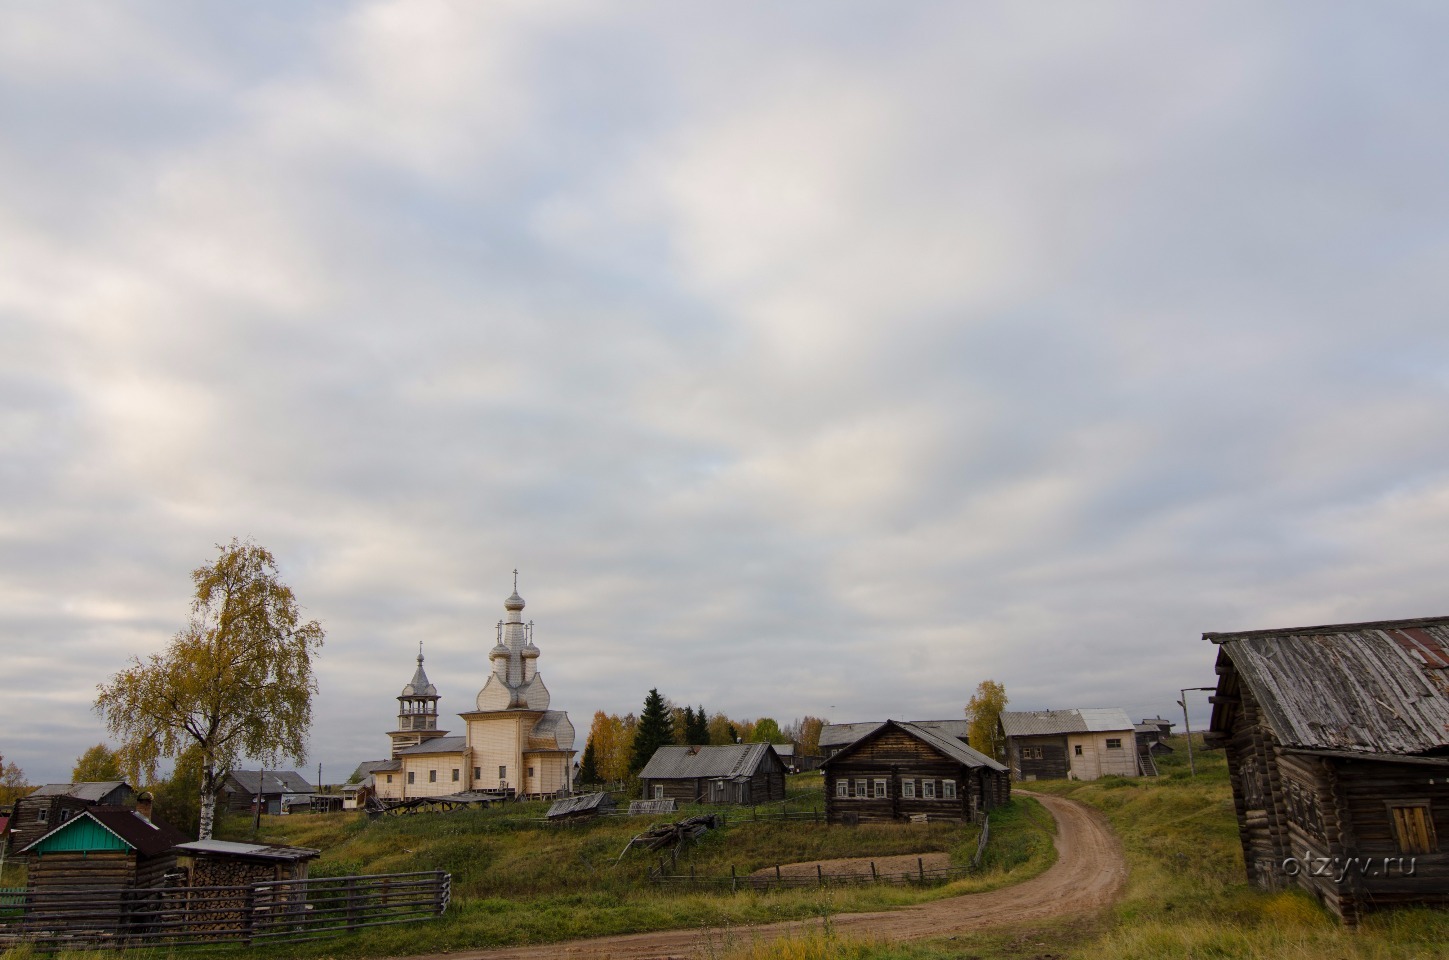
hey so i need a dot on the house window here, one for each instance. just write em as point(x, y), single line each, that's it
point(948, 789)
point(842, 788)
point(1031, 753)
point(432, 776)
point(1078, 750)
point(659, 791)
point(908, 789)
point(502, 774)
point(477, 773)
point(455, 774)
point(880, 788)
point(65, 815)
point(410, 776)
point(860, 789)
point(42, 815)
point(1114, 743)
point(1414, 827)
point(928, 789)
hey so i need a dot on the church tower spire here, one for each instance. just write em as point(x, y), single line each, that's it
point(417, 711)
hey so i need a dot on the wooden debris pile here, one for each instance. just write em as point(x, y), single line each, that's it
point(667, 836)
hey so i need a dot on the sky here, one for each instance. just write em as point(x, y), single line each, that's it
point(817, 358)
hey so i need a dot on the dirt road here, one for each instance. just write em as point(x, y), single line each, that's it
point(1088, 875)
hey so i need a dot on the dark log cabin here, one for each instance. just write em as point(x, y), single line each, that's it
point(744, 773)
point(1337, 742)
point(900, 770)
point(53, 804)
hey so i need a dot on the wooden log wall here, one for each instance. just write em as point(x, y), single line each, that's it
point(1053, 765)
point(895, 756)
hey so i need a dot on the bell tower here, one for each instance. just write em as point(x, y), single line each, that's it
point(417, 711)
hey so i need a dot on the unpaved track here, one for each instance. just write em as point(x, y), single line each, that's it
point(1089, 874)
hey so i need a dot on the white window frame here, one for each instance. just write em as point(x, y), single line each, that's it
point(842, 788)
point(879, 790)
point(659, 791)
point(860, 785)
point(928, 789)
point(948, 789)
point(1114, 743)
point(908, 789)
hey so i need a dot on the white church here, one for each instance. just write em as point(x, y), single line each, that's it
point(512, 744)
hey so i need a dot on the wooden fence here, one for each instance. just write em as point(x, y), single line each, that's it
point(779, 879)
point(272, 912)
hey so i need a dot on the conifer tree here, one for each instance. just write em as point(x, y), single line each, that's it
point(697, 733)
point(589, 769)
point(656, 729)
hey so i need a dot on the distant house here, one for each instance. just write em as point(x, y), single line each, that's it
point(1078, 744)
point(55, 803)
point(745, 773)
point(280, 790)
point(1337, 742)
point(103, 848)
point(835, 737)
point(899, 770)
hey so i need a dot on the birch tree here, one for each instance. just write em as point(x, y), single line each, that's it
point(235, 682)
point(983, 711)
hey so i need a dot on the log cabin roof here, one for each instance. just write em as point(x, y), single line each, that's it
point(246, 851)
point(147, 837)
point(271, 781)
point(1380, 687)
point(949, 746)
point(581, 803)
point(1045, 723)
point(840, 734)
point(93, 791)
point(673, 762)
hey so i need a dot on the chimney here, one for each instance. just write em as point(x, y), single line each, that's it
point(143, 806)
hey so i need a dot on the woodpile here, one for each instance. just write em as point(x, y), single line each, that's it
point(664, 836)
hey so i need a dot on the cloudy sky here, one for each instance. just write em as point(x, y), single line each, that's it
point(817, 358)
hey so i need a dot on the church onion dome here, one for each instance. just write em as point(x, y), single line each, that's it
point(499, 652)
point(514, 602)
point(529, 651)
point(419, 685)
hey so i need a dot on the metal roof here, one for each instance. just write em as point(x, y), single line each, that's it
point(277, 781)
point(840, 734)
point(687, 763)
point(1380, 687)
point(146, 837)
point(419, 687)
point(1046, 723)
point(435, 745)
point(949, 746)
point(94, 790)
point(250, 851)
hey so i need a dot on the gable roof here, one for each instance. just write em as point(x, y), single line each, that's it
point(147, 837)
point(674, 762)
point(840, 734)
point(949, 746)
point(92, 791)
point(1045, 723)
point(1380, 687)
point(276, 781)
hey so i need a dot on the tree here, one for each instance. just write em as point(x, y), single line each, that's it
point(176, 798)
point(589, 769)
point(983, 711)
point(97, 764)
point(236, 681)
point(656, 729)
point(808, 736)
point(13, 784)
point(767, 731)
point(697, 733)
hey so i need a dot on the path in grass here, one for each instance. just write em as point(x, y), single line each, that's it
point(1089, 874)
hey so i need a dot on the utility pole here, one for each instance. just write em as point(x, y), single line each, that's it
point(1187, 725)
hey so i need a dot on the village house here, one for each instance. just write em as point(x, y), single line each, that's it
point(1337, 742)
point(835, 737)
point(280, 790)
point(513, 743)
point(55, 803)
point(900, 770)
point(1078, 744)
point(742, 773)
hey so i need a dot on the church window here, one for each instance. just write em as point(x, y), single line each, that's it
point(455, 774)
point(389, 778)
point(502, 773)
point(432, 776)
point(410, 776)
point(477, 773)
point(530, 771)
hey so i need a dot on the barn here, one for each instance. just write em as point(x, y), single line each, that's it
point(1337, 742)
point(280, 790)
point(899, 770)
point(743, 773)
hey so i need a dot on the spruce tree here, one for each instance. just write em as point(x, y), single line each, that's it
point(656, 729)
point(698, 732)
point(589, 769)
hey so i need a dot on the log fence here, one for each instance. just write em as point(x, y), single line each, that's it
point(282, 911)
point(777, 879)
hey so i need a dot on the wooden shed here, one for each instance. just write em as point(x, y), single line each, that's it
point(279, 790)
point(742, 773)
point(37, 813)
point(226, 863)
point(1337, 742)
point(102, 848)
point(900, 770)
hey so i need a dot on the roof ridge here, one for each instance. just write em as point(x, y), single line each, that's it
point(1221, 636)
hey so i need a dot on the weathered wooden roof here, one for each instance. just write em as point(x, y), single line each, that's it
point(1045, 723)
point(840, 734)
point(246, 851)
point(275, 781)
point(1380, 687)
point(949, 746)
point(582, 803)
point(93, 791)
point(688, 763)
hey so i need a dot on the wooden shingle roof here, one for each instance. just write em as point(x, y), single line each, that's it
point(688, 763)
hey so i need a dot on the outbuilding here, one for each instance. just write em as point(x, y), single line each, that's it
point(1078, 744)
point(1337, 742)
point(901, 770)
point(41, 811)
point(741, 773)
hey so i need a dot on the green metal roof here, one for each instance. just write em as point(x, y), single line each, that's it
point(77, 835)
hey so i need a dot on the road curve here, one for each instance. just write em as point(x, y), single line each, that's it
point(1089, 874)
